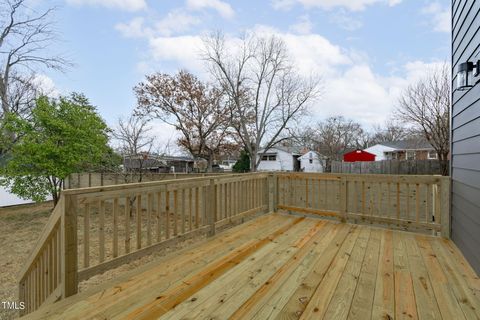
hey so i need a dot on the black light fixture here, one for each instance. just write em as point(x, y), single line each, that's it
point(465, 75)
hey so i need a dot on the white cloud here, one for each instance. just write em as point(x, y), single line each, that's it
point(369, 98)
point(135, 28)
point(357, 94)
point(165, 138)
point(440, 17)
point(176, 21)
point(345, 20)
point(311, 53)
point(351, 87)
point(46, 85)
point(303, 26)
point(353, 5)
point(223, 8)
point(127, 5)
point(184, 51)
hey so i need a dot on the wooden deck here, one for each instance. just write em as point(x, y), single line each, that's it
point(289, 267)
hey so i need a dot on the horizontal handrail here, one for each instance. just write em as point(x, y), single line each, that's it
point(52, 223)
point(129, 186)
point(40, 278)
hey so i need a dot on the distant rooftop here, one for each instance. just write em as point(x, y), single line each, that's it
point(407, 144)
point(289, 149)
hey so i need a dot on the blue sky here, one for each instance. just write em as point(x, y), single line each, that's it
point(366, 51)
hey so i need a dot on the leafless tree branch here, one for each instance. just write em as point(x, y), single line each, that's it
point(426, 106)
point(265, 92)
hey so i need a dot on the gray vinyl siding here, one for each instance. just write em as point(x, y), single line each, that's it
point(465, 156)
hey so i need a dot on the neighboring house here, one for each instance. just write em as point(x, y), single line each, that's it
point(358, 155)
point(227, 165)
point(279, 158)
point(158, 164)
point(380, 151)
point(180, 164)
point(312, 161)
point(403, 150)
point(144, 163)
point(465, 133)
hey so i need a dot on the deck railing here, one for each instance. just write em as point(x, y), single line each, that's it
point(95, 229)
point(407, 201)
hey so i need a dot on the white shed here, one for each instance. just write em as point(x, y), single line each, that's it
point(279, 159)
point(311, 162)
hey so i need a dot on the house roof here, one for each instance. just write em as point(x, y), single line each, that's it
point(356, 151)
point(136, 163)
point(408, 144)
point(153, 161)
point(296, 150)
point(177, 158)
point(306, 156)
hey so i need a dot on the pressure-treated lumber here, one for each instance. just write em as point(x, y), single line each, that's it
point(286, 267)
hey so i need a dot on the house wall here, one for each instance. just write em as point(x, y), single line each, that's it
point(421, 155)
point(465, 124)
point(284, 162)
point(379, 151)
point(358, 155)
point(315, 166)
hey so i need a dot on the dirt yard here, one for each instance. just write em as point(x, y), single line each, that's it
point(20, 227)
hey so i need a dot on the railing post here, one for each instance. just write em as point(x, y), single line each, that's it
point(68, 254)
point(272, 181)
point(343, 198)
point(445, 207)
point(212, 206)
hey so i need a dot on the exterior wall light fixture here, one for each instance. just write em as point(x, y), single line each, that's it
point(465, 75)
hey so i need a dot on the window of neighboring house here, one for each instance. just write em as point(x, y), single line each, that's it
point(310, 160)
point(271, 157)
point(432, 154)
point(410, 155)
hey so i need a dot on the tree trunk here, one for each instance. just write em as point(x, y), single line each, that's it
point(3, 97)
point(253, 162)
point(55, 196)
point(210, 163)
point(444, 167)
point(328, 165)
point(55, 189)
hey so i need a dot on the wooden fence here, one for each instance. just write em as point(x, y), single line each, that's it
point(95, 229)
point(97, 179)
point(416, 167)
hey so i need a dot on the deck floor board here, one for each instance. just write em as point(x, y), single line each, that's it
point(286, 267)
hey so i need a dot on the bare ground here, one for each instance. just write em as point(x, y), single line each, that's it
point(20, 228)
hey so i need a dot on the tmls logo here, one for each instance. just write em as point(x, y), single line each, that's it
point(13, 305)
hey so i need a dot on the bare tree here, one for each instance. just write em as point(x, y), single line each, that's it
point(135, 144)
point(196, 109)
point(390, 131)
point(133, 135)
point(304, 136)
point(24, 39)
point(266, 94)
point(425, 105)
point(334, 136)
